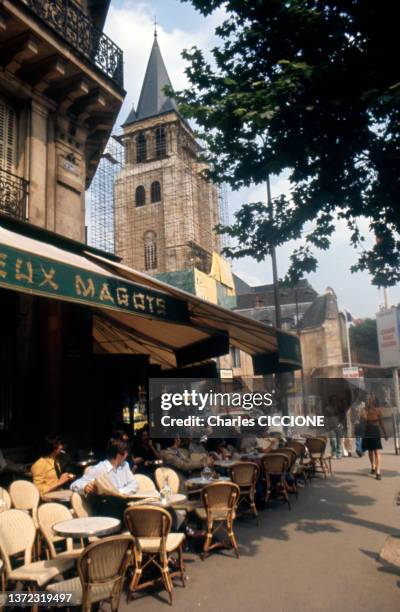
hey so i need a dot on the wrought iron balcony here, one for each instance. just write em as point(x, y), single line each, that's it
point(13, 194)
point(69, 22)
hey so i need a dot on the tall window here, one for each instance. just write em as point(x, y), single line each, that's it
point(141, 148)
point(161, 143)
point(155, 192)
point(150, 250)
point(140, 196)
point(8, 140)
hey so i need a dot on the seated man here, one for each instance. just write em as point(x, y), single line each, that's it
point(181, 458)
point(116, 468)
point(145, 451)
point(46, 471)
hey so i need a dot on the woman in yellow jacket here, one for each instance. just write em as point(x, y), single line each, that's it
point(46, 471)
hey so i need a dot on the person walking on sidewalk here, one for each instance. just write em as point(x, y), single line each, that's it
point(371, 441)
point(333, 419)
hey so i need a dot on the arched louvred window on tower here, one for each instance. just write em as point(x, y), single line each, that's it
point(161, 143)
point(141, 148)
point(150, 250)
point(140, 196)
point(155, 192)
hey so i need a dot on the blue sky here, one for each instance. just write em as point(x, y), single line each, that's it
point(130, 25)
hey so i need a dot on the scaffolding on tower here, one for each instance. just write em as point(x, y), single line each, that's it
point(101, 230)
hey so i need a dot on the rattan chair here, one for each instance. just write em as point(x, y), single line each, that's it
point(5, 500)
point(80, 505)
point(291, 471)
point(220, 501)
point(154, 544)
point(48, 515)
point(162, 473)
point(303, 465)
point(17, 537)
point(145, 483)
point(175, 484)
point(320, 461)
point(245, 474)
point(101, 571)
point(275, 466)
point(25, 496)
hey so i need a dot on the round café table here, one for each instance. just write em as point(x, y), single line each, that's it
point(202, 482)
point(142, 494)
point(63, 497)
point(87, 527)
point(173, 500)
point(226, 463)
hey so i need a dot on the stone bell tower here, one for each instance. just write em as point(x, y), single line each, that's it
point(165, 209)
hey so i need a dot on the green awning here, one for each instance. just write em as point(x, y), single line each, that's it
point(286, 359)
point(34, 273)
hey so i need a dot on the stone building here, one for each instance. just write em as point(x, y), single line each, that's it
point(316, 319)
point(165, 209)
point(61, 89)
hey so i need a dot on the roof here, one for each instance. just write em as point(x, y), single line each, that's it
point(323, 307)
point(153, 101)
point(240, 285)
point(263, 295)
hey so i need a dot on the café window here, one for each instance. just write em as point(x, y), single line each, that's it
point(8, 137)
point(150, 250)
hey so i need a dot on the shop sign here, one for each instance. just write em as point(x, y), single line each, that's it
point(38, 275)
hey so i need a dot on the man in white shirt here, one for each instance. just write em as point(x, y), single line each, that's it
point(115, 466)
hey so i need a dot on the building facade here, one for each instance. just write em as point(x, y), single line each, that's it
point(61, 87)
point(165, 208)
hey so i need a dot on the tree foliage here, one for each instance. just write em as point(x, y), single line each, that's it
point(310, 88)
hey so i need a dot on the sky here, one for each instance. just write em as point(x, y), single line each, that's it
point(130, 24)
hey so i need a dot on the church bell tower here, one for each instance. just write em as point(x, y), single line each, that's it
point(165, 209)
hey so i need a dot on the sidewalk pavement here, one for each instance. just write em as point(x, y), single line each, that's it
point(320, 556)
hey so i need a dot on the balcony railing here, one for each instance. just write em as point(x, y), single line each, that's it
point(13, 194)
point(68, 21)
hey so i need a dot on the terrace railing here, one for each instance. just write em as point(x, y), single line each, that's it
point(13, 194)
point(66, 19)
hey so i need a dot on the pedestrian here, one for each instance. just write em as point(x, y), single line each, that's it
point(348, 440)
point(371, 441)
point(358, 425)
point(333, 416)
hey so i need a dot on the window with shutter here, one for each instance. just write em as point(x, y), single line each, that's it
point(8, 139)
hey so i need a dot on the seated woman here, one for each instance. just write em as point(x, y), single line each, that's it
point(46, 471)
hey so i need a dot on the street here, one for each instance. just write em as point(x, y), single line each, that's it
point(321, 555)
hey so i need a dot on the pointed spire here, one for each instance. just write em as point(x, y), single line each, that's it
point(153, 101)
point(155, 27)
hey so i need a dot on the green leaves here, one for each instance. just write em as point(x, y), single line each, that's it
point(308, 88)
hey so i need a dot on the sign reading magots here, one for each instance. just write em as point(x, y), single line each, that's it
point(41, 276)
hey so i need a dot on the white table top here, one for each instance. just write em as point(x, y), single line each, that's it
point(58, 496)
point(175, 498)
point(86, 527)
point(143, 494)
point(202, 482)
point(226, 462)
